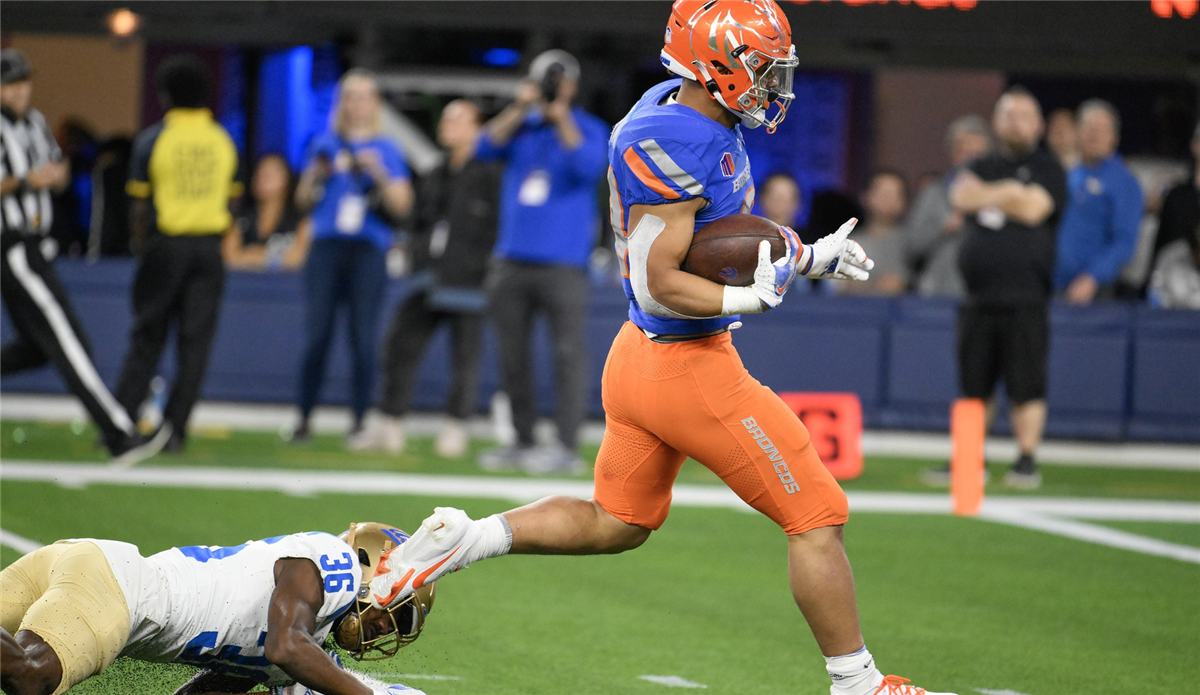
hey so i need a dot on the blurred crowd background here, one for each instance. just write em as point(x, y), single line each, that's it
point(893, 99)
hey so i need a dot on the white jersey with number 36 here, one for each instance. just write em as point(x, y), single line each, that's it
point(208, 605)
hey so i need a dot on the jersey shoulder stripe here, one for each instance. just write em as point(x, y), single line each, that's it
point(668, 166)
point(639, 169)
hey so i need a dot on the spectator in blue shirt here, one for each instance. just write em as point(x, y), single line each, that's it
point(555, 156)
point(355, 184)
point(1100, 225)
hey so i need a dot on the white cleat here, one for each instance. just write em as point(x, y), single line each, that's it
point(892, 685)
point(438, 548)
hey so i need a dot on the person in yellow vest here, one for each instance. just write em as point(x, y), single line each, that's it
point(181, 178)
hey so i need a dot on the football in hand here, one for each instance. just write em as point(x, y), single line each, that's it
point(726, 249)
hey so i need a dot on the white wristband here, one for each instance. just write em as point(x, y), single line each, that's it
point(741, 300)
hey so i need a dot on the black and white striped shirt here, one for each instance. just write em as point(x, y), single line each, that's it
point(26, 144)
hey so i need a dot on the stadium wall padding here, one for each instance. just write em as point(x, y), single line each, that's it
point(1117, 371)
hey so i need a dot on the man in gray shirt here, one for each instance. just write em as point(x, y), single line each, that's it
point(932, 229)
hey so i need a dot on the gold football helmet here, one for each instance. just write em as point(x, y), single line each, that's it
point(406, 619)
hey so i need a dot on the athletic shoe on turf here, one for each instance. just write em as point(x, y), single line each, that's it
point(137, 448)
point(1024, 475)
point(505, 458)
point(175, 444)
point(452, 441)
point(439, 547)
point(554, 459)
point(300, 433)
point(895, 685)
point(384, 435)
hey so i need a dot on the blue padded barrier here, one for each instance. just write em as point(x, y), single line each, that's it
point(815, 343)
point(1089, 357)
point(1166, 376)
point(922, 371)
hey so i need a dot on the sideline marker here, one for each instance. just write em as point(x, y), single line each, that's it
point(966, 455)
point(834, 421)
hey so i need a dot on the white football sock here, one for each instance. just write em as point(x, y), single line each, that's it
point(493, 540)
point(853, 674)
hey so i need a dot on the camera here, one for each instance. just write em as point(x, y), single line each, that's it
point(551, 81)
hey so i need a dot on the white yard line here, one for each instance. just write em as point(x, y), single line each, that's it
point(1048, 514)
point(673, 681)
point(21, 544)
point(1101, 535)
point(985, 691)
point(1097, 509)
point(274, 418)
point(1180, 457)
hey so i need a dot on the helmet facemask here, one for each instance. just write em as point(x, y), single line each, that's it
point(771, 80)
point(743, 55)
point(405, 619)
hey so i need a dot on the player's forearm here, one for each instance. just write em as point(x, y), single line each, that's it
point(686, 294)
point(302, 659)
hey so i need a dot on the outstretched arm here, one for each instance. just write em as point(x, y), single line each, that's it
point(291, 623)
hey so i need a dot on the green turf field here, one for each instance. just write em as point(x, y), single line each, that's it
point(957, 604)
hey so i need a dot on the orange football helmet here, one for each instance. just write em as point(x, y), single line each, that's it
point(742, 53)
point(676, 53)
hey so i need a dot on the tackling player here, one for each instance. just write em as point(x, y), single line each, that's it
point(255, 613)
point(673, 385)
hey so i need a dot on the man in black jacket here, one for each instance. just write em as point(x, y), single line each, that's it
point(456, 229)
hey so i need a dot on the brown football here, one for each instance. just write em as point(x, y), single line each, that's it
point(726, 249)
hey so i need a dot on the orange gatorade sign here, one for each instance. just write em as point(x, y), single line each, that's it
point(834, 421)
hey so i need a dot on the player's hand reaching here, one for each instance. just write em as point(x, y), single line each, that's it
point(836, 257)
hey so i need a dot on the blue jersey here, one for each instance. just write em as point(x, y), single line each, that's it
point(343, 212)
point(548, 197)
point(664, 152)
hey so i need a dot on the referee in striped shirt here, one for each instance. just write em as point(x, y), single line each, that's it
point(31, 166)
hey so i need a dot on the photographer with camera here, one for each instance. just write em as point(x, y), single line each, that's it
point(555, 156)
point(356, 184)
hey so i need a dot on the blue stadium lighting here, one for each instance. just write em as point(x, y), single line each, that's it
point(501, 57)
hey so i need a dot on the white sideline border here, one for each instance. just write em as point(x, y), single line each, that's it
point(1059, 516)
point(279, 418)
point(21, 544)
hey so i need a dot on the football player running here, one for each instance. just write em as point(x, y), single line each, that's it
point(255, 613)
point(673, 386)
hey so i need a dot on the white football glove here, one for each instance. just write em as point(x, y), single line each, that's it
point(771, 280)
point(836, 257)
point(377, 686)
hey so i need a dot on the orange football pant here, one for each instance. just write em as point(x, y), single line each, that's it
point(665, 402)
